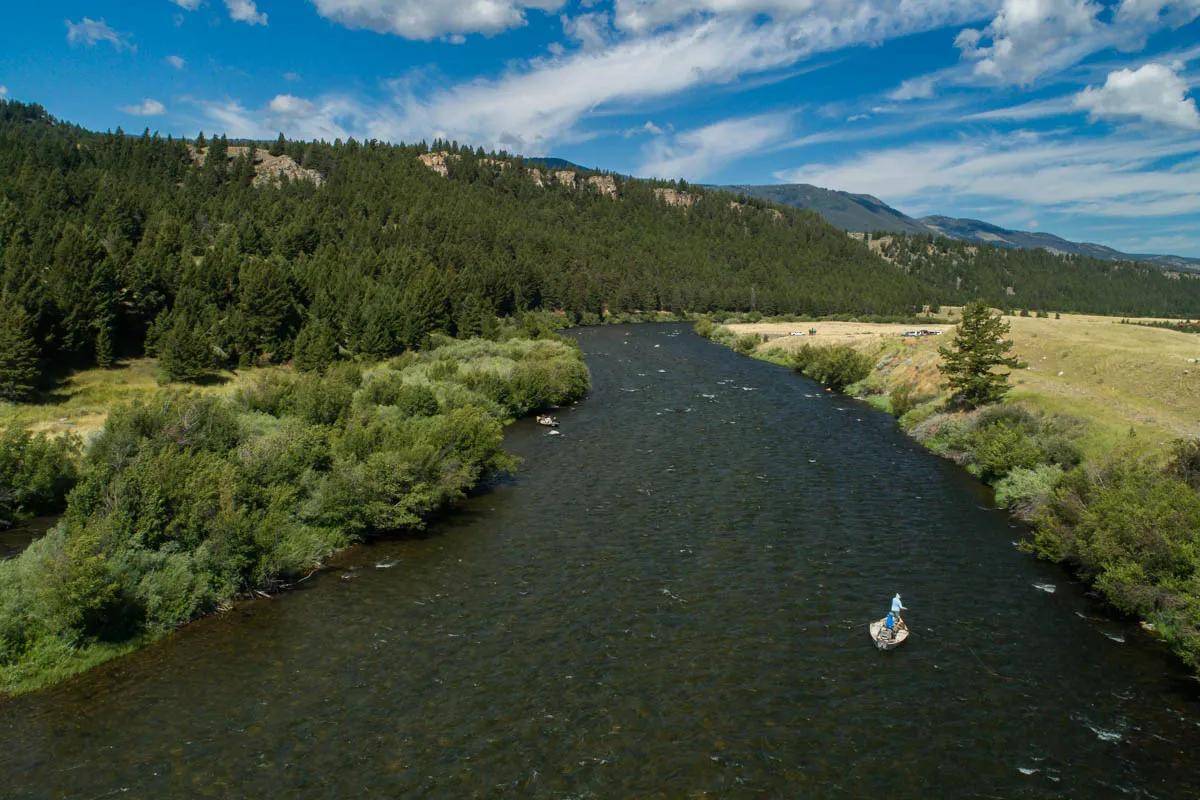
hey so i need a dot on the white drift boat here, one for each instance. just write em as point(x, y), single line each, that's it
point(885, 639)
point(548, 421)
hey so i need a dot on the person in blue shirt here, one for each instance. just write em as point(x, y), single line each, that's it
point(890, 622)
point(897, 606)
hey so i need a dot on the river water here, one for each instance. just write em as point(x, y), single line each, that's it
point(668, 600)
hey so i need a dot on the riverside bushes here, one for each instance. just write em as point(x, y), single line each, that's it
point(836, 366)
point(36, 472)
point(187, 502)
point(1131, 528)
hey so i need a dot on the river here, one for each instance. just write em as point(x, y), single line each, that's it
point(668, 600)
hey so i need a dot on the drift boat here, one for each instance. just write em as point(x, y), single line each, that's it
point(548, 421)
point(885, 639)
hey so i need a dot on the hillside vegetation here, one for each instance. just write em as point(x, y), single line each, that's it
point(212, 255)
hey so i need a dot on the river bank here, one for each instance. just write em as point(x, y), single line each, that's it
point(1095, 446)
point(187, 501)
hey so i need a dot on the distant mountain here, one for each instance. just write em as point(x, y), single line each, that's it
point(557, 163)
point(984, 232)
point(851, 212)
point(863, 212)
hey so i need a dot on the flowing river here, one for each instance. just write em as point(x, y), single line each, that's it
point(669, 600)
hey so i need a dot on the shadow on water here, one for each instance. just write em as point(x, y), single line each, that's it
point(669, 599)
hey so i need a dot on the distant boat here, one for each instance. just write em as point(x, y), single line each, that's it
point(885, 639)
point(548, 421)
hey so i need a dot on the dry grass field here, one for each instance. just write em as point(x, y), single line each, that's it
point(1121, 378)
point(81, 403)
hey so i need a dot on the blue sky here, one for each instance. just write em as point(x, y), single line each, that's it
point(1071, 116)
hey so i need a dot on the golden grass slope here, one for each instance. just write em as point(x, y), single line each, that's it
point(1121, 378)
point(80, 404)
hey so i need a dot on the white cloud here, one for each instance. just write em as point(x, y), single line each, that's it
point(3, 91)
point(696, 154)
point(1029, 38)
point(642, 16)
point(590, 30)
point(1034, 109)
point(542, 102)
point(291, 76)
point(429, 19)
point(175, 61)
point(147, 108)
point(188, 5)
point(1121, 175)
point(1153, 92)
point(1170, 12)
point(328, 118)
point(245, 11)
point(919, 88)
point(89, 32)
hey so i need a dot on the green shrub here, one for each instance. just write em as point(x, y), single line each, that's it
point(999, 448)
point(903, 400)
point(1025, 490)
point(36, 472)
point(836, 366)
point(746, 343)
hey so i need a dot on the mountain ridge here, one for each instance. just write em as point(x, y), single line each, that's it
point(867, 213)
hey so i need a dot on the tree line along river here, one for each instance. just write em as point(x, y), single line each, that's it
point(670, 599)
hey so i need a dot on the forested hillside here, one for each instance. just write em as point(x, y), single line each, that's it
point(114, 245)
point(1037, 279)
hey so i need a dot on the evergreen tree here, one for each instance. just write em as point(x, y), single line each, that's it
point(184, 352)
point(979, 347)
point(18, 354)
point(279, 147)
point(315, 347)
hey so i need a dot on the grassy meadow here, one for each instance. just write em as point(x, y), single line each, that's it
point(1118, 377)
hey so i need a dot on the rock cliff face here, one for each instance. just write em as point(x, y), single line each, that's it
point(605, 185)
point(437, 162)
point(674, 197)
point(269, 170)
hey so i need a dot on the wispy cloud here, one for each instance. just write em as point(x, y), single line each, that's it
point(89, 32)
point(696, 154)
point(1120, 175)
point(176, 62)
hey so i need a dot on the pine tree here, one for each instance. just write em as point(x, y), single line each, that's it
point(979, 347)
point(315, 347)
point(279, 146)
point(18, 354)
point(184, 352)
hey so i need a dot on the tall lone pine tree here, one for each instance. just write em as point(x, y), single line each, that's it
point(979, 348)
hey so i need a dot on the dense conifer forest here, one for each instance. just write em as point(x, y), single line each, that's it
point(114, 245)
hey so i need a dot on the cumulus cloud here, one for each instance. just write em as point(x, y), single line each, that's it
point(147, 108)
point(89, 32)
point(696, 154)
point(1171, 12)
point(175, 61)
point(1118, 176)
point(1153, 92)
point(245, 11)
point(1029, 38)
point(423, 19)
